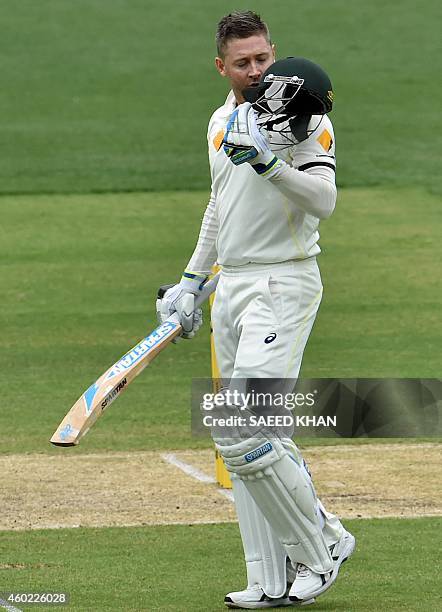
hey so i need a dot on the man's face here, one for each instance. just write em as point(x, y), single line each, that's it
point(244, 62)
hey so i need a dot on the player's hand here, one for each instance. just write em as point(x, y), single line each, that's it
point(243, 142)
point(180, 298)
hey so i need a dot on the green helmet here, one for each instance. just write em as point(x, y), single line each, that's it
point(291, 90)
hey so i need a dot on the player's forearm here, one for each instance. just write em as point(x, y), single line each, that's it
point(204, 255)
point(314, 193)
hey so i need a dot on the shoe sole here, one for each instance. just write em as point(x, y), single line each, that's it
point(270, 604)
point(345, 554)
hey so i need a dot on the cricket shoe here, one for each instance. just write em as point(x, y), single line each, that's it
point(310, 584)
point(254, 598)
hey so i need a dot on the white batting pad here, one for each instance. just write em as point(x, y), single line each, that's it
point(265, 557)
point(283, 491)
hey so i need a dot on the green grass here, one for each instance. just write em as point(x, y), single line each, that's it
point(79, 278)
point(182, 568)
point(115, 96)
point(380, 316)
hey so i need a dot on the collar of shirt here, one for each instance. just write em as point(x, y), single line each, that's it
point(230, 103)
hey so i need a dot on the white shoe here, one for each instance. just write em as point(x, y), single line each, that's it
point(310, 584)
point(254, 598)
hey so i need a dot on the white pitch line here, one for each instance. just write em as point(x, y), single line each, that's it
point(187, 468)
point(227, 493)
point(194, 472)
point(4, 604)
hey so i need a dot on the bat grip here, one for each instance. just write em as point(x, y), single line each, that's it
point(207, 290)
point(162, 290)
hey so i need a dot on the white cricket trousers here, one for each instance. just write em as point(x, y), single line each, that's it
point(262, 317)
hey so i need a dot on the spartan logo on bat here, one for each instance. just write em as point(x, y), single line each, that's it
point(113, 394)
point(141, 349)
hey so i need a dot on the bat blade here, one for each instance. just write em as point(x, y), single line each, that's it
point(111, 384)
point(117, 378)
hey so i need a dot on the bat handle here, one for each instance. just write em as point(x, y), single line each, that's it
point(206, 291)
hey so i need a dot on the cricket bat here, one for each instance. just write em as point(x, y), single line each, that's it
point(118, 377)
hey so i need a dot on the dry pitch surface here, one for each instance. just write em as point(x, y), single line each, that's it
point(143, 488)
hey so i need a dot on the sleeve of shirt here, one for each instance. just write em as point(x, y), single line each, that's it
point(309, 182)
point(205, 253)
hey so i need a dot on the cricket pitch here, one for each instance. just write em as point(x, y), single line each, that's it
point(142, 488)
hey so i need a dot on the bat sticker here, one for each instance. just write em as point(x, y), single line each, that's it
point(141, 348)
point(89, 397)
point(113, 394)
point(68, 430)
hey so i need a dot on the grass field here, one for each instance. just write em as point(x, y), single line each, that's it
point(149, 568)
point(106, 96)
point(103, 183)
point(81, 272)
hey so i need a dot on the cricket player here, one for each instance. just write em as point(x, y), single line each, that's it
point(272, 162)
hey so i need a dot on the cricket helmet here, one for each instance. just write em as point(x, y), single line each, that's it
point(290, 91)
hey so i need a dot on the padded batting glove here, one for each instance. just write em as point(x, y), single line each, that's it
point(243, 142)
point(180, 298)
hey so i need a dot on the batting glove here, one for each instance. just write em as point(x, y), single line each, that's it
point(243, 142)
point(180, 298)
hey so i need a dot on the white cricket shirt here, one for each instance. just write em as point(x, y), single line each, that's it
point(253, 220)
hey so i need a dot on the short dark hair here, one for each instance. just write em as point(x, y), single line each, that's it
point(240, 24)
